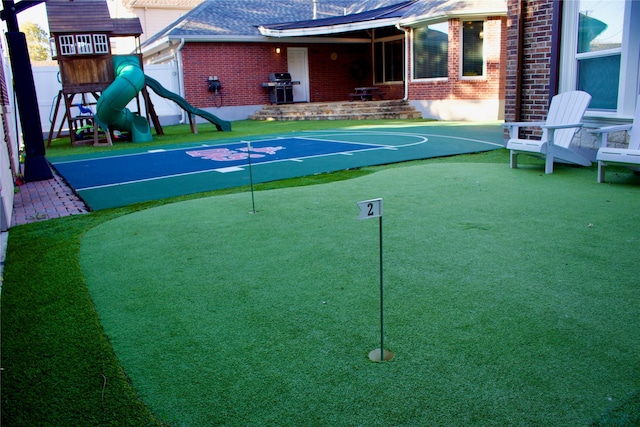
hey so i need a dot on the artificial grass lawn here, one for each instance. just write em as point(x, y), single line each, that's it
point(59, 369)
point(511, 298)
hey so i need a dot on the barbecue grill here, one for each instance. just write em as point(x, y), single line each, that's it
point(280, 88)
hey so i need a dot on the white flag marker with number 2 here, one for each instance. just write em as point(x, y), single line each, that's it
point(370, 208)
point(373, 209)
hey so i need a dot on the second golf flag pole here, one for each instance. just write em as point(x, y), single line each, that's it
point(373, 209)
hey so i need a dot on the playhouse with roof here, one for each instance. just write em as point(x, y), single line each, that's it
point(98, 87)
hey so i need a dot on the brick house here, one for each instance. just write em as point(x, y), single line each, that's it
point(555, 46)
point(447, 58)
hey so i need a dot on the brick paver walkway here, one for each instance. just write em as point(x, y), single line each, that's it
point(43, 200)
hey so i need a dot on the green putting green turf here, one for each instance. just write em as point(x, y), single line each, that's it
point(511, 298)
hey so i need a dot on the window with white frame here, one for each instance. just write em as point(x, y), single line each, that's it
point(473, 59)
point(431, 51)
point(85, 43)
point(100, 43)
point(600, 54)
point(67, 45)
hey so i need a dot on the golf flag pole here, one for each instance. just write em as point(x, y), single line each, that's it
point(373, 209)
point(253, 202)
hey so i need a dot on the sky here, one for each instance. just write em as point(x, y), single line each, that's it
point(36, 14)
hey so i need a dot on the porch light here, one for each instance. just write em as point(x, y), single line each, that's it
point(278, 50)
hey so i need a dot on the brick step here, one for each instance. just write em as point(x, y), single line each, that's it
point(314, 109)
point(342, 112)
point(354, 116)
point(356, 110)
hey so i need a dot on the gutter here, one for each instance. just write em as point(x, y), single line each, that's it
point(328, 29)
point(148, 50)
point(462, 14)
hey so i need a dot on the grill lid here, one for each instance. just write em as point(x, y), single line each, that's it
point(280, 77)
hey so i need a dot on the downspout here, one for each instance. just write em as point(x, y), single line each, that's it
point(519, 48)
point(554, 66)
point(407, 77)
point(183, 119)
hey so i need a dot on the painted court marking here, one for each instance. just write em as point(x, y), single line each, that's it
point(423, 137)
point(158, 164)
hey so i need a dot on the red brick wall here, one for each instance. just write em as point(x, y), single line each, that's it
point(333, 80)
point(536, 59)
point(454, 87)
point(242, 67)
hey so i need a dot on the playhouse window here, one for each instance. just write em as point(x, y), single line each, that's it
point(100, 43)
point(67, 45)
point(84, 43)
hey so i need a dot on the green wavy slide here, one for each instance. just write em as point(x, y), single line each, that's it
point(221, 125)
point(111, 109)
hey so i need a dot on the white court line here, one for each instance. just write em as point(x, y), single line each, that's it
point(467, 139)
point(142, 153)
point(342, 142)
point(203, 145)
point(155, 178)
point(240, 168)
point(416, 135)
point(229, 169)
point(423, 139)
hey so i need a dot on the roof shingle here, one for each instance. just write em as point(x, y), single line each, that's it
point(240, 17)
point(226, 19)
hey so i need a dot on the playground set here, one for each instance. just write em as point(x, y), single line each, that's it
point(97, 86)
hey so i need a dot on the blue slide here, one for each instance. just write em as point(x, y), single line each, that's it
point(111, 109)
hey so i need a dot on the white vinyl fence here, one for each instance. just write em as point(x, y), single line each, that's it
point(48, 86)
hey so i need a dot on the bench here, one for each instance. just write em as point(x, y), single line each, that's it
point(365, 93)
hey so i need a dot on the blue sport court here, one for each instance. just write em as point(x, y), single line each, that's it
point(133, 176)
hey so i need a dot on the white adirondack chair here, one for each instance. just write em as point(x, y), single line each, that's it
point(629, 156)
point(563, 121)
